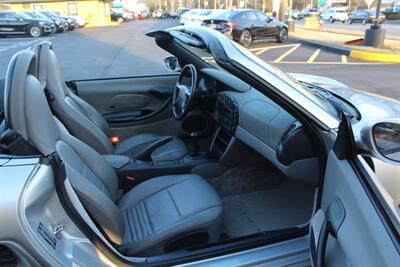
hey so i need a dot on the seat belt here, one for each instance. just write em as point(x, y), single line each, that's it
point(11, 142)
point(321, 226)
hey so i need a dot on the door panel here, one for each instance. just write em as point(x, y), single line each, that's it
point(362, 239)
point(141, 92)
point(132, 105)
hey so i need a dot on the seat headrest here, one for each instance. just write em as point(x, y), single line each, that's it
point(48, 69)
point(25, 104)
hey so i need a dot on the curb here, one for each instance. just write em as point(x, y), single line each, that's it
point(370, 56)
point(388, 58)
point(329, 47)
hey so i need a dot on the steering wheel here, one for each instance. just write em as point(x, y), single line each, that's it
point(184, 91)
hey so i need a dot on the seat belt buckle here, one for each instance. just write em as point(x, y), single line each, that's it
point(114, 139)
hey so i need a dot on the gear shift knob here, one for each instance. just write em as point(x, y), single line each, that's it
point(195, 136)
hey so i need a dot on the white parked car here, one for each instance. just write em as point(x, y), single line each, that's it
point(197, 18)
point(187, 15)
point(81, 20)
point(333, 15)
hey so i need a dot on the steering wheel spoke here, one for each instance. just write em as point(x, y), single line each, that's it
point(183, 92)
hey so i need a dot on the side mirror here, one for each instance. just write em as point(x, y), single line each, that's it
point(380, 139)
point(171, 63)
point(387, 140)
point(269, 19)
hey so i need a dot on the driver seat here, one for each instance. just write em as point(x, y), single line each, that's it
point(86, 123)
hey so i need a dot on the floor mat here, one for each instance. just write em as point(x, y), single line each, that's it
point(255, 174)
point(288, 205)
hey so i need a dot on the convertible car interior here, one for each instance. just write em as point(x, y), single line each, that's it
point(209, 160)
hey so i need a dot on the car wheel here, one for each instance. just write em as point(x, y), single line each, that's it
point(246, 38)
point(364, 21)
point(283, 35)
point(120, 20)
point(331, 20)
point(349, 21)
point(35, 31)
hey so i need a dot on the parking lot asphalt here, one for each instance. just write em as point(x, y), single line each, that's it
point(124, 50)
point(391, 27)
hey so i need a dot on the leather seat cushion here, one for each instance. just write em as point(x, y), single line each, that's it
point(165, 207)
point(133, 146)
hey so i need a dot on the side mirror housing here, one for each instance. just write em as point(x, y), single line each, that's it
point(381, 139)
point(171, 63)
point(387, 140)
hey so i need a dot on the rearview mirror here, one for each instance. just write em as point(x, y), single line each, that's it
point(171, 63)
point(387, 140)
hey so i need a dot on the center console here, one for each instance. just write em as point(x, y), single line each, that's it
point(228, 113)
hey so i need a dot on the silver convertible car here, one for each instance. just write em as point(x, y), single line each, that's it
point(225, 162)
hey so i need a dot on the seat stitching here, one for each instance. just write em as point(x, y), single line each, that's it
point(149, 218)
point(141, 220)
point(167, 186)
point(145, 219)
point(126, 215)
point(139, 225)
point(174, 202)
point(137, 233)
point(183, 220)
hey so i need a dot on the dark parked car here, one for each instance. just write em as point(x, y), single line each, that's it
point(120, 16)
point(61, 24)
point(365, 16)
point(245, 26)
point(12, 22)
point(72, 22)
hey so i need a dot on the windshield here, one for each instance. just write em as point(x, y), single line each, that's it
point(23, 15)
point(228, 14)
point(204, 13)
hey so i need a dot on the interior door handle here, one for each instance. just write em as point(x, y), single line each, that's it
point(161, 91)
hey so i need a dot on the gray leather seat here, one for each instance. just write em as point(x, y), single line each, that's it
point(87, 124)
point(141, 222)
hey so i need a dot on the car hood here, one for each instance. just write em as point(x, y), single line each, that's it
point(369, 105)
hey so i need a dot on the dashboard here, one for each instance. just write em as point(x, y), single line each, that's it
point(248, 115)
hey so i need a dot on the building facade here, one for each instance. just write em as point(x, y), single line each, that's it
point(96, 12)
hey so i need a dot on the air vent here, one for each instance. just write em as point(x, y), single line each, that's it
point(7, 258)
point(228, 113)
point(290, 130)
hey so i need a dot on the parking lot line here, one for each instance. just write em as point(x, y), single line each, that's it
point(261, 50)
point(344, 59)
point(314, 56)
point(279, 59)
point(332, 63)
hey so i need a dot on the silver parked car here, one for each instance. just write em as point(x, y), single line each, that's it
point(266, 169)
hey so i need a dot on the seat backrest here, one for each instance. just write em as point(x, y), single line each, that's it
point(81, 119)
point(93, 179)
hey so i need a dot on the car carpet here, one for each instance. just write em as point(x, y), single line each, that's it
point(255, 174)
point(258, 197)
point(285, 206)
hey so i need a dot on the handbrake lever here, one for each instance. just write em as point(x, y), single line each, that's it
point(146, 154)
